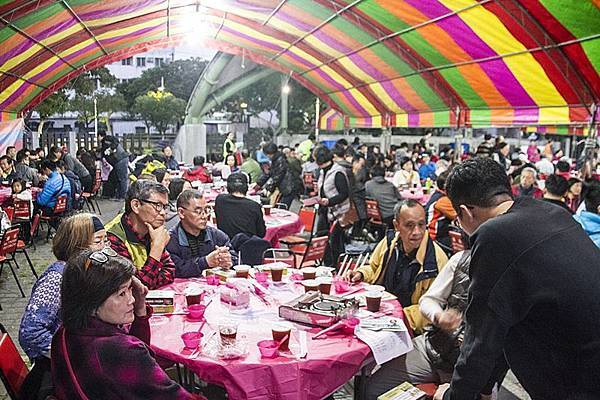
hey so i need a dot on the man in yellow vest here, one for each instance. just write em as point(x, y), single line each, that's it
point(140, 235)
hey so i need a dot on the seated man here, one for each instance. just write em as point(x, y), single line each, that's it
point(406, 262)
point(384, 192)
point(56, 185)
point(555, 190)
point(527, 186)
point(590, 218)
point(440, 213)
point(194, 245)
point(139, 233)
point(7, 169)
point(237, 214)
point(435, 352)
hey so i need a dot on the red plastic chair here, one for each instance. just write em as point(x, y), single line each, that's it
point(22, 211)
point(373, 212)
point(8, 247)
point(13, 369)
point(59, 208)
point(308, 217)
point(10, 212)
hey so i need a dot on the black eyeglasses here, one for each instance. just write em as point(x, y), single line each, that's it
point(158, 206)
point(100, 256)
point(199, 211)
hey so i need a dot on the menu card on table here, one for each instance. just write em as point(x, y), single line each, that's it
point(385, 344)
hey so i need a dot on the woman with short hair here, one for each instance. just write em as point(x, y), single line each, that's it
point(93, 355)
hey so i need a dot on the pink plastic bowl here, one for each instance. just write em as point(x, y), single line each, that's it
point(197, 311)
point(261, 276)
point(191, 340)
point(350, 324)
point(213, 280)
point(268, 348)
point(341, 286)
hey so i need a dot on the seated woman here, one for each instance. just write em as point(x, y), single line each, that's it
point(94, 356)
point(407, 176)
point(41, 318)
point(230, 166)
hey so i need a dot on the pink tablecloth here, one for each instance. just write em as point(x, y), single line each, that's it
point(5, 193)
point(281, 223)
point(329, 364)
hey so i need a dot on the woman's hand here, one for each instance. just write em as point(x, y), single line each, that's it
point(324, 202)
point(139, 291)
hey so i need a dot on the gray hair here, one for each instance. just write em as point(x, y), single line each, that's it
point(410, 203)
point(142, 189)
point(186, 196)
point(529, 169)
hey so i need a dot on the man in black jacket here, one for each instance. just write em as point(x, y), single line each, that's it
point(533, 299)
point(280, 176)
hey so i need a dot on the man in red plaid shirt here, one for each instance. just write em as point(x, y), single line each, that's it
point(140, 235)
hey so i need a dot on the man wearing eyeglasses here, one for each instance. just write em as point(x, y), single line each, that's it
point(406, 261)
point(194, 245)
point(140, 235)
point(533, 298)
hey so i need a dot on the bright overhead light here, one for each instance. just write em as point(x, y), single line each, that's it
point(285, 89)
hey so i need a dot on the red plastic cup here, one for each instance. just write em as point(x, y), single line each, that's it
point(341, 285)
point(191, 340)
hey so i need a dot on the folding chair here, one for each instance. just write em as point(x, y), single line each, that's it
point(274, 255)
point(375, 219)
point(8, 247)
point(13, 369)
point(92, 197)
point(59, 208)
point(308, 217)
point(313, 252)
point(282, 206)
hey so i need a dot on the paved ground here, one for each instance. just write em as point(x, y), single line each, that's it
point(13, 304)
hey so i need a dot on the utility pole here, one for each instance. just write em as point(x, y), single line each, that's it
point(317, 117)
point(285, 92)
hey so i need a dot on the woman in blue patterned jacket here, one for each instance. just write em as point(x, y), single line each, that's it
point(42, 318)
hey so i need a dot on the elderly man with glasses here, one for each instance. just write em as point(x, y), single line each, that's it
point(139, 234)
point(195, 245)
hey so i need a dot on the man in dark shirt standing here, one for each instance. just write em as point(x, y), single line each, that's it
point(237, 214)
point(533, 296)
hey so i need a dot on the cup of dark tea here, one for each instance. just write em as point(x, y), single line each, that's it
point(309, 272)
point(267, 209)
point(228, 332)
point(276, 273)
point(193, 295)
point(373, 300)
point(310, 285)
point(325, 284)
point(241, 271)
point(281, 330)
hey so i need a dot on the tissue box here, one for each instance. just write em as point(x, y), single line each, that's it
point(162, 301)
point(404, 391)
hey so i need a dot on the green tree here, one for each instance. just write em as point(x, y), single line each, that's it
point(179, 77)
point(84, 89)
point(160, 110)
point(108, 104)
point(56, 103)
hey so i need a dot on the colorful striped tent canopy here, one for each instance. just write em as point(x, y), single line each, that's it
point(375, 62)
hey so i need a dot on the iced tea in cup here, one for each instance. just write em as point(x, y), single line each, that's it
point(373, 300)
point(193, 295)
point(279, 331)
point(276, 272)
point(241, 271)
point(228, 332)
point(325, 284)
point(309, 272)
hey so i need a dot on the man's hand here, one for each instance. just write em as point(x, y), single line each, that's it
point(448, 320)
point(439, 393)
point(219, 257)
point(159, 238)
point(139, 291)
point(354, 276)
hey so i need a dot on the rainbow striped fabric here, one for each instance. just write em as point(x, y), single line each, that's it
point(376, 63)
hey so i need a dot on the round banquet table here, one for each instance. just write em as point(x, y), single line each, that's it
point(417, 195)
point(329, 363)
point(6, 193)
